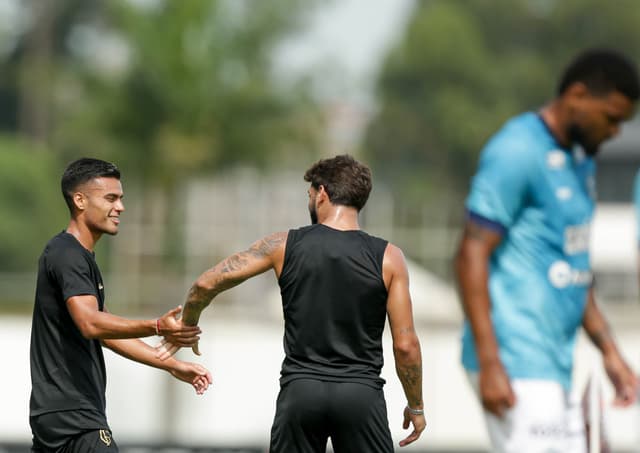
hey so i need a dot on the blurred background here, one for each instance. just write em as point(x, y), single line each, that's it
point(213, 110)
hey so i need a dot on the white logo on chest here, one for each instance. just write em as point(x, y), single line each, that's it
point(556, 159)
point(561, 275)
point(564, 193)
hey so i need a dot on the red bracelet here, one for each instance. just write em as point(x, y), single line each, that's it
point(158, 326)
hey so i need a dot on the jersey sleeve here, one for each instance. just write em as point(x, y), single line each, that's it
point(72, 272)
point(501, 185)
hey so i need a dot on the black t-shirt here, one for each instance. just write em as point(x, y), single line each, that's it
point(334, 302)
point(68, 376)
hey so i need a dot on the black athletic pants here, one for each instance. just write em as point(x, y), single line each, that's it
point(98, 441)
point(309, 412)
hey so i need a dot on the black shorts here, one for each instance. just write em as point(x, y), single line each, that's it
point(309, 412)
point(97, 441)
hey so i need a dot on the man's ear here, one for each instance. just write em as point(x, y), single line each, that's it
point(79, 200)
point(322, 193)
point(577, 90)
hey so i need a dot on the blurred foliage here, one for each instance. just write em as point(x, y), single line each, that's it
point(462, 68)
point(31, 206)
point(166, 89)
point(195, 93)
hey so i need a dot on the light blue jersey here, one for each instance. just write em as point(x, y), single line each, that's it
point(542, 198)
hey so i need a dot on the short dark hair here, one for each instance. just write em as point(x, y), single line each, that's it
point(82, 170)
point(346, 181)
point(602, 71)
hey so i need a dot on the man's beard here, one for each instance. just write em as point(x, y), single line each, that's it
point(313, 214)
point(577, 135)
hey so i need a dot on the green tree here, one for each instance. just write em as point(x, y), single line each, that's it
point(31, 205)
point(166, 89)
point(196, 93)
point(461, 69)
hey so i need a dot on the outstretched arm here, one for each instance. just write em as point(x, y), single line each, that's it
point(95, 324)
point(624, 381)
point(137, 350)
point(472, 272)
point(265, 254)
point(406, 346)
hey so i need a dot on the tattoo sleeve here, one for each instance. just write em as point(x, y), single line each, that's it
point(230, 272)
point(409, 368)
point(411, 378)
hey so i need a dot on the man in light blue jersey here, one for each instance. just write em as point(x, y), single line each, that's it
point(523, 261)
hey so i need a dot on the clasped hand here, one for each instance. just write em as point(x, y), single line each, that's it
point(176, 335)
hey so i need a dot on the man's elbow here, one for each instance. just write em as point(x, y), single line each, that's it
point(203, 285)
point(407, 348)
point(89, 330)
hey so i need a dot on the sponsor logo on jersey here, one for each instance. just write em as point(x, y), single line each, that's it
point(556, 159)
point(576, 239)
point(562, 275)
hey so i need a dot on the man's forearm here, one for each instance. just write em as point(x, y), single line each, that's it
point(473, 275)
point(409, 370)
point(138, 351)
point(103, 325)
point(597, 328)
point(212, 282)
point(197, 300)
point(472, 272)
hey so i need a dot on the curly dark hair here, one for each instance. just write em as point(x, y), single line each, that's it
point(346, 181)
point(602, 71)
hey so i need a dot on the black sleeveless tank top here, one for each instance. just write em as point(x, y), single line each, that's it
point(334, 303)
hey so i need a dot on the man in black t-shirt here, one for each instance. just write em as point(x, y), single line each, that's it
point(71, 324)
point(338, 284)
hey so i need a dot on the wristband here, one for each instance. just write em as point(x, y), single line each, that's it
point(158, 326)
point(415, 411)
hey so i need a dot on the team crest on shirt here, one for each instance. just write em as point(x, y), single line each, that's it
point(105, 437)
point(556, 159)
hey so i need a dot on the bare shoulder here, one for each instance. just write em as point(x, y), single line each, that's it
point(394, 263)
point(394, 255)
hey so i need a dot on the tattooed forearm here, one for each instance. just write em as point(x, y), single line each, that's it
point(411, 379)
point(412, 375)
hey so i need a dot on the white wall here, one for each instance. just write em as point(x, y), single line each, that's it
point(244, 354)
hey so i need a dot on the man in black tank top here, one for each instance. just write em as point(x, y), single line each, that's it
point(338, 285)
point(71, 323)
